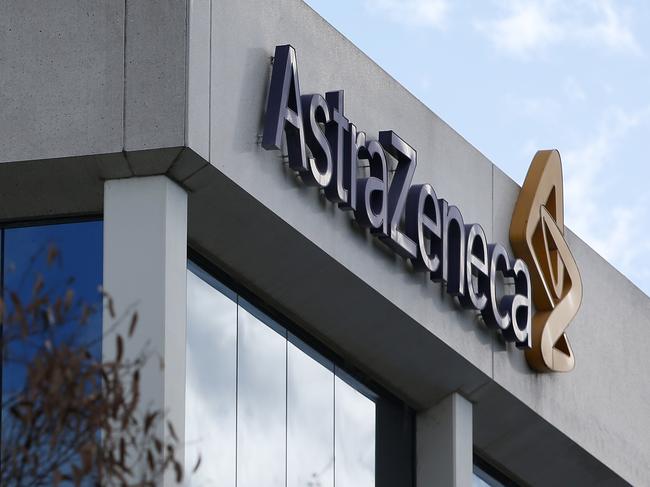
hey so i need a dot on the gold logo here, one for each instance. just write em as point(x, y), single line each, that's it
point(537, 237)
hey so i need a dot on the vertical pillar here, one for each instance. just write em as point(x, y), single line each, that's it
point(444, 447)
point(145, 259)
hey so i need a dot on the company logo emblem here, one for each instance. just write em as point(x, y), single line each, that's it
point(537, 237)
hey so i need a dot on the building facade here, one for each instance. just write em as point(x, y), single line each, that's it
point(302, 344)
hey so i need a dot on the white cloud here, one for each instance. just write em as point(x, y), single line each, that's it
point(589, 201)
point(528, 27)
point(525, 27)
point(423, 13)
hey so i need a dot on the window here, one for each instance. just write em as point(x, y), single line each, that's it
point(482, 479)
point(65, 256)
point(265, 408)
point(78, 266)
point(485, 475)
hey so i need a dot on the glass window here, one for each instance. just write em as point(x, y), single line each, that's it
point(262, 403)
point(479, 482)
point(78, 266)
point(263, 408)
point(486, 476)
point(354, 426)
point(63, 257)
point(310, 418)
point(210, 387)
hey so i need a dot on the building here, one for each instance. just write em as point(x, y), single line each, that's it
point(300, 348)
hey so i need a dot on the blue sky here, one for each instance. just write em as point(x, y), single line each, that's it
point(515, 76)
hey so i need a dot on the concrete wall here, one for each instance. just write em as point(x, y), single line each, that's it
point(145, 262)
point(85, 77)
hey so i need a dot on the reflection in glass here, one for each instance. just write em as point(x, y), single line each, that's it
point(310, 420)
point(264, 410)
point(261, 411)
point(25, 256)
point(479, 482)
point(210, 411)
point(78, 267)
point(354, 438)
point(483, 479)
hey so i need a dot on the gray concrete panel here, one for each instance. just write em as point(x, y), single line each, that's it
point(444, 443)
point(148, 162)
point(529, 449)
point(505, 192)
point(57, 187)
point(145, 262)
point(71, 186)
point(61, 78)
point(198, 78)
point(155, 62)
point(603, 403)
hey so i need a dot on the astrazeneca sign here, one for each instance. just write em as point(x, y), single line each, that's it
point(327, 150)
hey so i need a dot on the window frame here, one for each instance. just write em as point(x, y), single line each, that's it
point(491, 474)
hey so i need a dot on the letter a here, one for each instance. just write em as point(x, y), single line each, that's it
point(284, 111)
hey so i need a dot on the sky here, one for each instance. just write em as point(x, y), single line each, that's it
point(516, 76)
